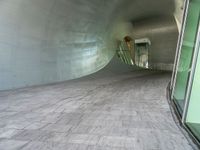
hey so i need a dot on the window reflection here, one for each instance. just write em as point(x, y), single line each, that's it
point(142, 52)
point(134, 52)
point(186, 55)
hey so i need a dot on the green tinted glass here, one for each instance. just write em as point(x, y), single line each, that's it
point(186, 53)
point(193, 114)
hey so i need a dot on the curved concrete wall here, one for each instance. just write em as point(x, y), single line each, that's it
point(45, 41)
point(178, 13)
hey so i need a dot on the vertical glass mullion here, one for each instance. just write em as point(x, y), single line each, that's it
point(178, 50)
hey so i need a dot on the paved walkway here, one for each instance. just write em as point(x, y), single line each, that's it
point(114, 112)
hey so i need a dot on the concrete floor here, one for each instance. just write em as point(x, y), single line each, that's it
point(114, 112)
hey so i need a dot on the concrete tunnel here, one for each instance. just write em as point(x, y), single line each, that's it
point(62, 85)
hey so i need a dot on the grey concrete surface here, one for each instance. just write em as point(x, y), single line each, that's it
point(126, 111)
point(163, 34)
point(178, 14)
point(45, 41)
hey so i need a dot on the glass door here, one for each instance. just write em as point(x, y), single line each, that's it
point(193, 111)
point(186, 55)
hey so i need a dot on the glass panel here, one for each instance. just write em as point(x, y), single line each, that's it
point(186, 53)
point(193, 114)
point(142, 55)
point(134, 52)
point(124, 53)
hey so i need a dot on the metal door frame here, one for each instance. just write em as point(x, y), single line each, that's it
point(178, 49)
